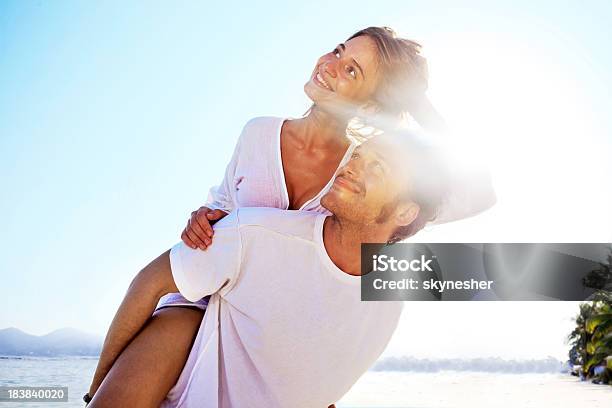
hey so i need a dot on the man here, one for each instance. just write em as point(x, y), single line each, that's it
point(285, 325)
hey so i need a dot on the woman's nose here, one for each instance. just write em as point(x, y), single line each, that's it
point(330, 68)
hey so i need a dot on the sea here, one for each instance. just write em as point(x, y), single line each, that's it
point(375, 389)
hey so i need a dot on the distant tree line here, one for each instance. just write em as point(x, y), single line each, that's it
point(488, 365)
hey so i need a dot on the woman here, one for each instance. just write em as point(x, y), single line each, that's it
point(277, 163)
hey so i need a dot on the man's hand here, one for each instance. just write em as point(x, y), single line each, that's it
point(198, 233)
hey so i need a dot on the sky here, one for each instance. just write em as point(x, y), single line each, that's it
point(117, 117)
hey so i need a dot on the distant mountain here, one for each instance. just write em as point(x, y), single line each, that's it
point(62, 342)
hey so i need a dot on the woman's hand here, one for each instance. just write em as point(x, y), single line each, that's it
point(198, 233)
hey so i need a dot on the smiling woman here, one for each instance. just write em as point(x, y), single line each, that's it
point(287, 164)
point(395, 77)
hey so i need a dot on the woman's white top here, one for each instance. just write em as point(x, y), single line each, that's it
point(254, 176)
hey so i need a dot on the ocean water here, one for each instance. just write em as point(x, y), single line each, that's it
point(447, 389)
point(74, 373)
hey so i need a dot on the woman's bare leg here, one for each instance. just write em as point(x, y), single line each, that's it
point(135, 310)
point(150, 366)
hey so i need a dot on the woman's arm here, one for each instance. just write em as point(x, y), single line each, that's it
point(471, 189)
point(199, 233)
point(427, 116)
point(151, 283)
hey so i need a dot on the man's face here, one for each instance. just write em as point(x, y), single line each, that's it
point(367, 187)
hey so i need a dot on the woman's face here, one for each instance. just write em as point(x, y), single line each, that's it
point(349, 72)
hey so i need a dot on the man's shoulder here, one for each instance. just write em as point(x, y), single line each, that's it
point(298, 224)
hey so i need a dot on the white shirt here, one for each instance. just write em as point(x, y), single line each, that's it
point(254, 176)
point(284, 327)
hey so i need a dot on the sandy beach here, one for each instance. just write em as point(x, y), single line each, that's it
point(474, 390)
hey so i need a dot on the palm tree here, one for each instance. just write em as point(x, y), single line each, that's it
point(599, 346)
point(591, 340)
point(579, 337)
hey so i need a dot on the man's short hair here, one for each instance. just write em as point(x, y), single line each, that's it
point(429, 183)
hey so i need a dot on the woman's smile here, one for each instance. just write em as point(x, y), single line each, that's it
point(320, 81)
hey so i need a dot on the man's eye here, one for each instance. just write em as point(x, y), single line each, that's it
point(336, 52)
point(355, 156)
point(351, 71)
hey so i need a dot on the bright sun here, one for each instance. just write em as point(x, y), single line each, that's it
point(528, 112)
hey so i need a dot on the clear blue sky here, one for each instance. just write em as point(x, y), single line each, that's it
point(116, 118)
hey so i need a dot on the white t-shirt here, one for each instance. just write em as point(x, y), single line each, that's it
point(284, 327)
point(254, 177)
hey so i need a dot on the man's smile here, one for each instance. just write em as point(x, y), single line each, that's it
point(343, 182)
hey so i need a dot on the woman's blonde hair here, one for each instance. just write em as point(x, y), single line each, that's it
point(403, 71)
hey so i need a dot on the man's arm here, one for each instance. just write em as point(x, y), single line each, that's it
point(151, 283)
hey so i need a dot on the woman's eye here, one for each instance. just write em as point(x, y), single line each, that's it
point(351, 71)
point(336, 52)
point(355, 156)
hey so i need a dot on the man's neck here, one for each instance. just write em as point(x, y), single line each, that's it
point(343, 239)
